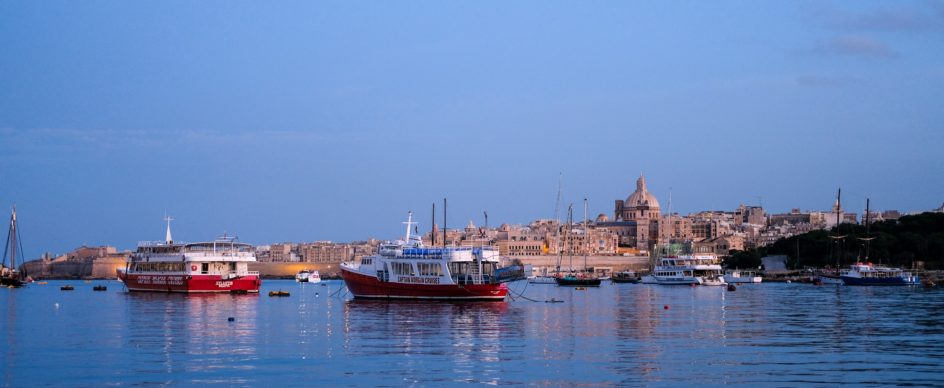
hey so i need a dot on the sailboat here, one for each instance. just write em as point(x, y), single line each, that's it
point(864, 273)
point(10, 276)
point(584, 278)
point(833, 277)
point(545, 277)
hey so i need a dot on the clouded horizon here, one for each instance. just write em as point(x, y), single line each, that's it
point(302, 121)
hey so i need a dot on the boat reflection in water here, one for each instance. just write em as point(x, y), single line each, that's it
point(464, 337)
point(168, 326)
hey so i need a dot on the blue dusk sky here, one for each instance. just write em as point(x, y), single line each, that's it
point(302, 121)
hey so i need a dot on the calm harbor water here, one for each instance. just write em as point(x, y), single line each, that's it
point(625, 334)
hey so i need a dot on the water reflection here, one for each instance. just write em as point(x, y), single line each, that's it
point(167, 329)
point(459, 341)
point(770, 334)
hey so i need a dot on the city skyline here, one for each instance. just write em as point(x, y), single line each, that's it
point(292, 122)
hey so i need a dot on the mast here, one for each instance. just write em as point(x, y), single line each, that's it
point(867, 238)
point(560, 177)
point(432, 228)
point(409, 225)
point(445, 230)
point(838, 238)
point(570, 225)
point(167, 236)
point(11, 241)
point(868, 219)
point(586, 235)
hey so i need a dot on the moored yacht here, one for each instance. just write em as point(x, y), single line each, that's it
point(221, 265)
point(689, 269)
point(867, 274)
point(406, 269)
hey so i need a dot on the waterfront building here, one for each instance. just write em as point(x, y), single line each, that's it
point(325, 252)
point(279, 252)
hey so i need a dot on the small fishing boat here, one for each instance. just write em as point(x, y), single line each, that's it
point(308, 276)
point(578, 279)
point(625, 277)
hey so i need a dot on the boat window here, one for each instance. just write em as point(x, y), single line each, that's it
point(159, 267)
point(429, 269)
point(402, 268)
point(205, 268)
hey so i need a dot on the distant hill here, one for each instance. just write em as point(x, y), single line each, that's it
point(911, 240)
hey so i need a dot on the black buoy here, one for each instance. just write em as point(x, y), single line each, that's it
point(231, 319)
point(99, 288)
point(732, 287)
point(67, 288)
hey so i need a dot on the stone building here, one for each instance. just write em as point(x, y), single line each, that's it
point(637, 218)
point(325, 252)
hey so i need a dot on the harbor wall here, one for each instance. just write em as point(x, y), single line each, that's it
point(99, 268)
point(613, 263)
point(104, 268)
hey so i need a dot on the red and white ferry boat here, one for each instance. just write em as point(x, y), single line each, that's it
point(216, 266)
point(406, 269)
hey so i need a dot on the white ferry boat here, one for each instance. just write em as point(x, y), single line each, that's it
point(689, 269)
point(739, 277)
point(204, 267)
point(867, 274)
point(406, 269)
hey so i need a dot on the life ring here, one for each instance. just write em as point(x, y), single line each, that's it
point(193, 267)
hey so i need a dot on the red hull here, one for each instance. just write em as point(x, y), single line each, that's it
point(363, 286)
point(190, 283)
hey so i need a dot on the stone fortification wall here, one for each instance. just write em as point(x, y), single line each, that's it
point(101, 268)
point(616, 263)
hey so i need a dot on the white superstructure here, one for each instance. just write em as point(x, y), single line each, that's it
point(689, 269)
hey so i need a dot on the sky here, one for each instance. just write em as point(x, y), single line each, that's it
point(303, 121)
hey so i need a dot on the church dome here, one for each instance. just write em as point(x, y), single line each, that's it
point(642, 196)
